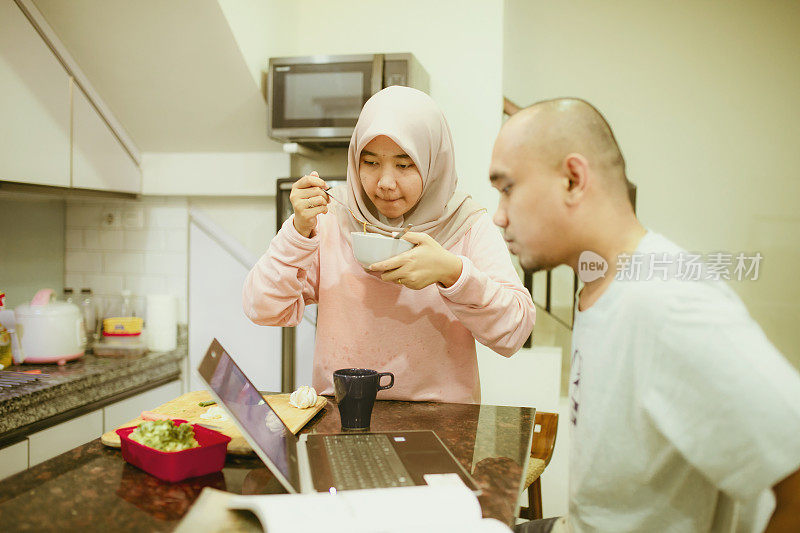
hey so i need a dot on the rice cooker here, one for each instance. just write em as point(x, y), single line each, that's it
point(49, 331)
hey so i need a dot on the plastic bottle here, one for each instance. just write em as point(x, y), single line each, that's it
point(127, 309)
point(6, 357)
point(69, 295)
point(89, 313)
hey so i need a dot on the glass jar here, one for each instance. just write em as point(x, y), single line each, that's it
point(89, 312)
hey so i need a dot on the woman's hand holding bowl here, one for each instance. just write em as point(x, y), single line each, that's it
point(423, 265)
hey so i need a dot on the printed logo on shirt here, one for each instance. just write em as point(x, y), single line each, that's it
point(591, 266)
point(574, 387)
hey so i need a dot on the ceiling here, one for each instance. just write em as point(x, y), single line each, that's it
point(170, 71)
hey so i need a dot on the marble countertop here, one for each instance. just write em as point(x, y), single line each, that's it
point(85, 384)
point(92, 488)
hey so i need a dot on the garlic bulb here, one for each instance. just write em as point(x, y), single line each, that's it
point(304, 397)
point(215, 413)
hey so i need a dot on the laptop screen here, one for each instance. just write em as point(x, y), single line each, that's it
point(255, 417)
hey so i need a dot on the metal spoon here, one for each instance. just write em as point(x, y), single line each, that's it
point(332, 197)
point(401, 233)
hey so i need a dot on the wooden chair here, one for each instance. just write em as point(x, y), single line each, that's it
point(545, 427)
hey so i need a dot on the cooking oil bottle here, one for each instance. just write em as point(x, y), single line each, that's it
point(5, 341)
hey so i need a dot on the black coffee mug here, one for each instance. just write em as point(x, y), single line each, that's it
point(355, 390)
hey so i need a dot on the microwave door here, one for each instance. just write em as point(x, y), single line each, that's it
point(319, 100)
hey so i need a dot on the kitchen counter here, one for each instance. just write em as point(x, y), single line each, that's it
point(78, 387)
point(92, 488)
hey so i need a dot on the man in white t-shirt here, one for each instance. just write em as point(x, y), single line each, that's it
point(684, 417)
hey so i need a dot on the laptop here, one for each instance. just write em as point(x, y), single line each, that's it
point(325, 463)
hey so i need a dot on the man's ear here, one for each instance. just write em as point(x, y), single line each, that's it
point(576, 174)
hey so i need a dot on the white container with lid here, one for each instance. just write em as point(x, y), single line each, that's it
point(49, 332)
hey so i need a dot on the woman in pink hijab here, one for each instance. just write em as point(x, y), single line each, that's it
point(417, 314)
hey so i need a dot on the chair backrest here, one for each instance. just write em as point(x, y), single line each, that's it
point(544, 436)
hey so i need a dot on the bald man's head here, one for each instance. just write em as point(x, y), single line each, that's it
point(553, 129)
point(561, 177)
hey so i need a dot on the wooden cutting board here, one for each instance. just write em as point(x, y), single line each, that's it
point(186, 407)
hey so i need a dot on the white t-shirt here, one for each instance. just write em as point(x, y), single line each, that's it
point(683, 414)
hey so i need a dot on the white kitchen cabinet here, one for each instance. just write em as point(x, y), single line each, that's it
point(13, 459)
point(117, 414)
point(98, 159)
point(215, 173)
point(58, 439)
point(34, 105)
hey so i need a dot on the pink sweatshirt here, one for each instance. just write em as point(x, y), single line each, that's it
point(426, 338)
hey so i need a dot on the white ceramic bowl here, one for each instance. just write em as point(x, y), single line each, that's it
point(369, 248)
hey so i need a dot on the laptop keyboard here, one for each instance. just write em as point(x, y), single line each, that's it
point(365, 462)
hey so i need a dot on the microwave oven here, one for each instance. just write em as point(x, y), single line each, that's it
point(317, 99)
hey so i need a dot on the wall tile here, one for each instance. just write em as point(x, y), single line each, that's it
point(105, 283)
point(73, 239)
point(111, 240)
point(84, 216)
point(144, 239)
point(165, 263)
point(165, 217)
point(182, 311)
point(83, 261)
point(176, 240)
point(73, 280)
point(144, 285)
point(148, 260)
point(175, 285)
point(123, 262)
point(91, 239)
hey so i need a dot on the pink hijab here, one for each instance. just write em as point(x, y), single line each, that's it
point(413, 120)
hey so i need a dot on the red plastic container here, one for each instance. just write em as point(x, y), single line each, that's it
point(176, 466)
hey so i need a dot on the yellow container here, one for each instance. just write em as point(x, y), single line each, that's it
point(122, 326)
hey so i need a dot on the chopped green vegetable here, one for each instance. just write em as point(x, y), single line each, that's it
point(164, 435)
point(206, 404)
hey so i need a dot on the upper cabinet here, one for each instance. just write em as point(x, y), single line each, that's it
point(98, 159)
point(51, 132)
point(34, 105)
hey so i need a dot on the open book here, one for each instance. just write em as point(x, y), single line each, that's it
point(441, 507)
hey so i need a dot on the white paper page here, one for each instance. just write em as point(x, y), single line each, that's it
point(422, 508)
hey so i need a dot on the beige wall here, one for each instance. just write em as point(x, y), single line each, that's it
point(458, 42)
point(31, 246)
point(251, 220)
point(703, 99)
